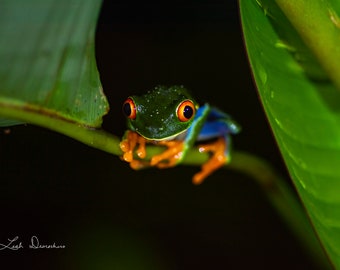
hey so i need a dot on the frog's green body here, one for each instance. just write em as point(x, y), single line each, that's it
point(171, 114)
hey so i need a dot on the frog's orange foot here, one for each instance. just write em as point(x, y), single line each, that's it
point(139, 164)
point(217, 160)
point(128, 145)
point(169, 157)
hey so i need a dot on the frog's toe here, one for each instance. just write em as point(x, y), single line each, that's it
point(138, 164)
point(141, 151)
point(124, 146)
point(199, 177)
point(128, 156)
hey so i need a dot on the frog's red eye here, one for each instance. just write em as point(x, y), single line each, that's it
point(129, 108)
point(185, 110)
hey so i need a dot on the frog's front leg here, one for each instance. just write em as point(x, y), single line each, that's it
point(130, 141)
point(169, 157)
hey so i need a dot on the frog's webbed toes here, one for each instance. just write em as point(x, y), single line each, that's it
point(128, 145)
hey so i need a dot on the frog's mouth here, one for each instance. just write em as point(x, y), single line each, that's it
point(179, 136)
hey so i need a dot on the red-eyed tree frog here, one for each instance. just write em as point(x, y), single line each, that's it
point(170, 116)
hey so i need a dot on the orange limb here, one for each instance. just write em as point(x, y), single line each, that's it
point(169, 157)
point(217, 160)
point(128, 146)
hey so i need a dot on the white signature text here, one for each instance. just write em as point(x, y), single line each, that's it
point(34, 243)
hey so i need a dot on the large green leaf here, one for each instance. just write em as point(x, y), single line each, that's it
point(301, 103)
point(48, 66)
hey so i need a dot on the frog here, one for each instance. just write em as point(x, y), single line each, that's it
point(169, 116)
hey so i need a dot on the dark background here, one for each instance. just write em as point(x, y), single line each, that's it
point(110, 217)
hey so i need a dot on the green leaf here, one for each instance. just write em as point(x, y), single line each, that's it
point(47, 64)
point(301, 103)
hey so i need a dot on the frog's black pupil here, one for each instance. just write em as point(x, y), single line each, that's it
point(188, 112)
point(127, 109)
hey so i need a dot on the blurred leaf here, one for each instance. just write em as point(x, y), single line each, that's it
point(47, 64)
point(303, 109)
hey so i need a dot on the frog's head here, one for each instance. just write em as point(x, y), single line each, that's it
point(160, 114)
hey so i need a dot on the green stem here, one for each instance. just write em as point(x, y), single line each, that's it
point(276, 190)
point(96, 138)
point(319, 26)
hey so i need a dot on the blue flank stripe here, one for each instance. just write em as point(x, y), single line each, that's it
point(210, 123)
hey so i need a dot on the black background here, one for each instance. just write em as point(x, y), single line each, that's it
point(110, 217)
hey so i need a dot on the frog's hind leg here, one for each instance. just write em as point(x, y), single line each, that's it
point(220, 156)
